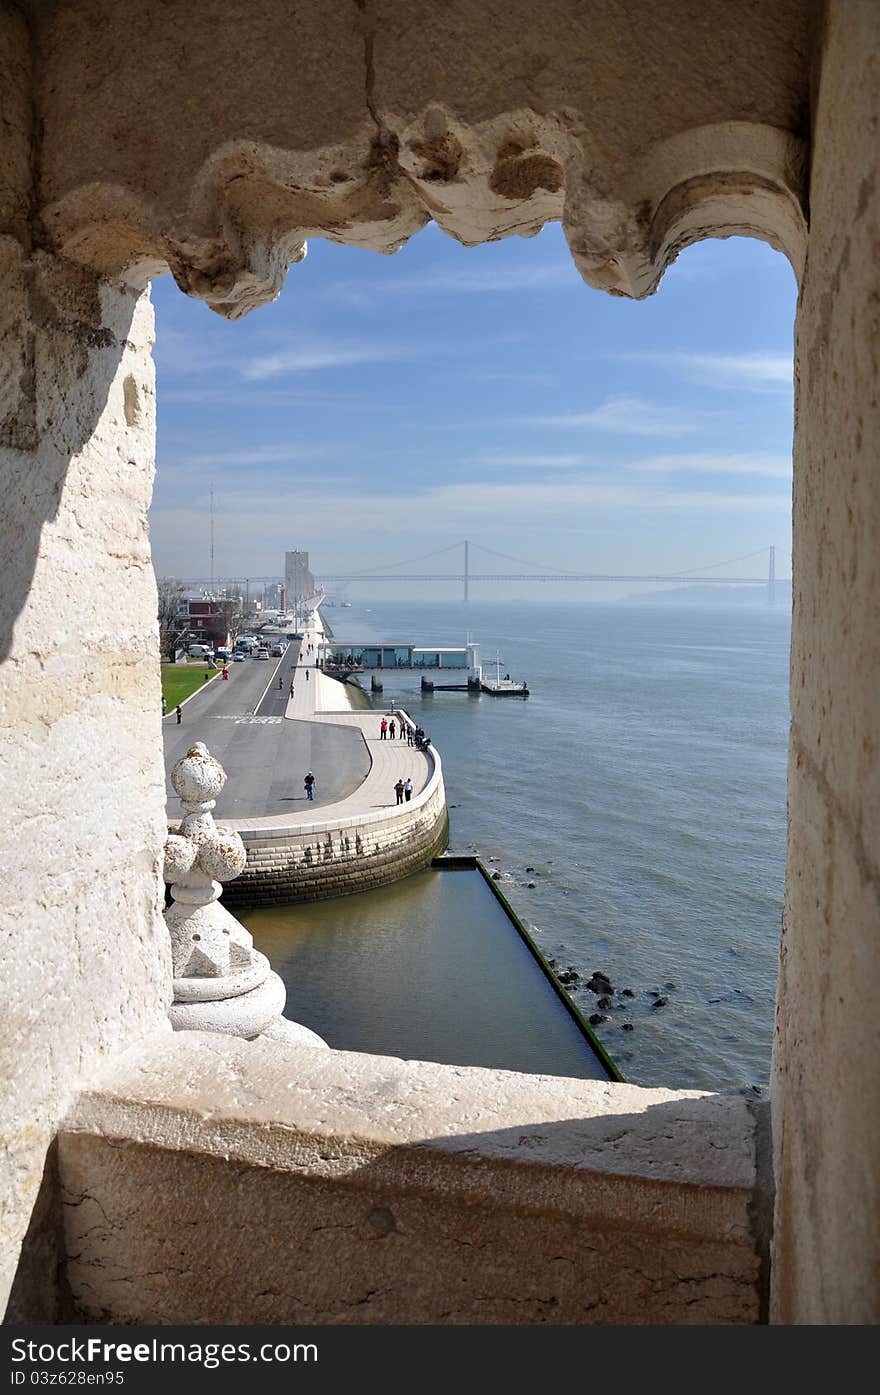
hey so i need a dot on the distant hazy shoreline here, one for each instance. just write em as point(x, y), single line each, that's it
point(710, 596)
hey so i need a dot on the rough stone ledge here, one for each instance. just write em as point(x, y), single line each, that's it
point(644, 1160)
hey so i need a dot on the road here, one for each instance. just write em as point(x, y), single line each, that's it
point(265, 756)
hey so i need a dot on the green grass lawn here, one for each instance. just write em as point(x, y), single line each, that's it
point(179, 681)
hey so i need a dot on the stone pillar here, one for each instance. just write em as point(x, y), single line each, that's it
point(221, 983)
point(826, 1086)
point(85, 967)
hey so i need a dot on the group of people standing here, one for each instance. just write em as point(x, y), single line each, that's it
point(403, 789)
point(388, 730)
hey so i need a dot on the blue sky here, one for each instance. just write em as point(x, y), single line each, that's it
point(384, 407)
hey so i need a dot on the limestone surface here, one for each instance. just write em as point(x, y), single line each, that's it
point(404, 1192)
point(221, 983)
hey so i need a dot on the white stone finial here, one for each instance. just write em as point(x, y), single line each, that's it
point(221, 983)
point(198, 778)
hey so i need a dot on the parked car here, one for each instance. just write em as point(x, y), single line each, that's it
point(200, 651)
point(238, 657)
point(261, 654)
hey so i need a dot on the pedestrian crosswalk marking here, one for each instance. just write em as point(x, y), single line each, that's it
point(246, 717)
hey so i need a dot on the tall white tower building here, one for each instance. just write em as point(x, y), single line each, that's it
point(299, 582)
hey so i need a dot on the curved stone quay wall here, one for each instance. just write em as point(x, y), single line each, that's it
point(315, 861)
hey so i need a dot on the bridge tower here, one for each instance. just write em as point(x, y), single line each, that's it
point(771, 577)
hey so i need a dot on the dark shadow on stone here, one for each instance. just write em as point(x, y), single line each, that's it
point(39, 1291)
point(553, 1210)
point(64, 328)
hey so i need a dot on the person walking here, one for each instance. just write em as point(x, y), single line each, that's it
point(392, 730)
point(291, 687)
point(408, 788)
point(410, 738)
point(179, 714)
point(309, 785)
point(164, 705)
point(398, 790)
point(383, 730)
point(280, 681)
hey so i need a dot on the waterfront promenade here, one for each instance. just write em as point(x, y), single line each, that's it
point(325, 701)
point(242, 722)
point(354, 834)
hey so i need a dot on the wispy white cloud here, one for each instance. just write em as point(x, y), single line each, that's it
point(478, 279)
point(630, 416)
point(490, 377)
point(251, 397)
point(501, 461)
point(718, 463)
point(759, 371)
point(256, 455)
point(452, 507)
point(308, 358)
point(181, 353)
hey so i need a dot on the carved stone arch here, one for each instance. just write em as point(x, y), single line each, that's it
point(253, 206)
point(731, 179)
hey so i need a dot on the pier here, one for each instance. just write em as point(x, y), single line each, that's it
point(344, 660)
point(355, 657)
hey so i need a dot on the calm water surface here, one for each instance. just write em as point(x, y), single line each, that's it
point(435, 972)
point(644, 781)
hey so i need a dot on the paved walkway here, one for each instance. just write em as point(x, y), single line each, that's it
point(322, 701)
point(241, 721)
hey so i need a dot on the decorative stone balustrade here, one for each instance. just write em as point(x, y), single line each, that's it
point(221, 983)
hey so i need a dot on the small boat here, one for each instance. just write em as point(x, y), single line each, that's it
point(503, 687)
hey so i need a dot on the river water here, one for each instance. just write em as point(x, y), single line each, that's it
point(644, 781)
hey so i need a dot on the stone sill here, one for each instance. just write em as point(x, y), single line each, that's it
point(641, 1158)
point(209, 1179)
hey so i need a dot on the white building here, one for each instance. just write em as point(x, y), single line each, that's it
point(298, 580)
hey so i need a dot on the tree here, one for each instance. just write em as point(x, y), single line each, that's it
point(173, 614)
point(227, 615)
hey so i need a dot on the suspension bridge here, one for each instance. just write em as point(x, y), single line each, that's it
point(707, 575)
point(710, 574)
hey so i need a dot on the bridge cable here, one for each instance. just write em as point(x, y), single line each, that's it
point(713, 566)
point(370, 571)
point(557, 571)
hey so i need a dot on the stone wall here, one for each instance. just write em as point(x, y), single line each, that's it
point(321, 860)
point(85, 959)
point(215, 138)
point(404, 1192)
point(825, 1093)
